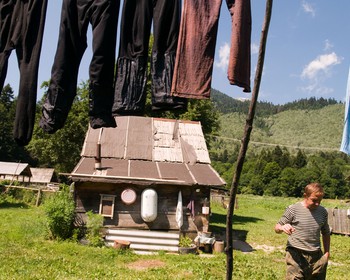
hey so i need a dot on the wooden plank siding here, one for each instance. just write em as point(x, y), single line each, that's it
point(87, 197)
point(339, 220)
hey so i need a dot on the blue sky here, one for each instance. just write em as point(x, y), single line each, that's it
point(307, 52)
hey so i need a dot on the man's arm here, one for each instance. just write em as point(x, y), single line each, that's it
point(326, 239)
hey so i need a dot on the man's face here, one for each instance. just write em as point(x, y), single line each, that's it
point(313, 201)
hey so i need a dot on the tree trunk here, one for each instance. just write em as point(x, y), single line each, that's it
point(245, 141)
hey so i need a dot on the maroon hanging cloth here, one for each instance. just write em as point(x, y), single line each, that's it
point(238, 72)
point(196, 47)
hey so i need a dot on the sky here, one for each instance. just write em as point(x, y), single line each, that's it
point(307, 52)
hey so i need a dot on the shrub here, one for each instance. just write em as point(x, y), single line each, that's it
point(60, 212)
point(185, 241)
point(94, 224)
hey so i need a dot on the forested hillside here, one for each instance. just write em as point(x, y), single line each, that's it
point(288, 148)
point(226, 104)
point(319, 129)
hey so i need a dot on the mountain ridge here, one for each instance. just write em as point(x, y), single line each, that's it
point(313, 124)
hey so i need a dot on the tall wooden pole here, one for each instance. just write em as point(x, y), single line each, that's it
point(245, 140)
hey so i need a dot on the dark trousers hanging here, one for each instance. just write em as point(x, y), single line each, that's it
point(196, 47)
point(75, 18)
point(21, 29)
point(131, 76)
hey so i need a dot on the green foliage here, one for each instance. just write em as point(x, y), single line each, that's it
point(9, 150)
point(94, 226)
point(6, 199)
point(60, 212)
point(276, 172)
point(185, 241)
point(26, 196)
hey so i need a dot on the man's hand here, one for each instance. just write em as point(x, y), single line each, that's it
point(287, 229)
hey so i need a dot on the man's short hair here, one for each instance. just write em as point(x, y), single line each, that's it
point(313, 188)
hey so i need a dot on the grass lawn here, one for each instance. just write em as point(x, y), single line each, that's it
point(26, 253)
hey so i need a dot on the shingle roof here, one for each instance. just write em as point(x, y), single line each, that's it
point(14, 169)
point(41, 175)
point(148, 150)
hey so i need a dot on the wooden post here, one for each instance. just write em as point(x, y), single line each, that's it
point(38, 198)
point(245, 141)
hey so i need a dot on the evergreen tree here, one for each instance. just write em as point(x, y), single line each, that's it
point(300, 160)
point(7, 114)
point(9, 150)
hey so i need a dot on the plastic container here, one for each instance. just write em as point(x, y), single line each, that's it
point(149, 205)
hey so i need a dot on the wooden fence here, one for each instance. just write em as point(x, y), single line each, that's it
point(339, 220)
point(38, 190)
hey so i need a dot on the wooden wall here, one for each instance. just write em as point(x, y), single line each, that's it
point(87, 197)
point(339, 220)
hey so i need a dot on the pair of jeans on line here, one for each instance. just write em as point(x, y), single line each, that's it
point(21, 29)
point(131, 76)
point(76, 15)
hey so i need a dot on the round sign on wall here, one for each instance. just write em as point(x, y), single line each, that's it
point(128, 196)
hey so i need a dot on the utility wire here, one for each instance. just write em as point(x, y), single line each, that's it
point(274, 144)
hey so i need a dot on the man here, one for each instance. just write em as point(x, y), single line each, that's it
point(304, 222)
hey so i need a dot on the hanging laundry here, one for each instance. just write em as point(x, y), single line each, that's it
point(131, 76)
point(238, 71)
point(190, 206)
point(21, 29)
point(196, 47)
point(179, 212)
point(72, 42)
point(345, 143)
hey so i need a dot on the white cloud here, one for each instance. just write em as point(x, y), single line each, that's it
point(317, 71)
point(224, 54)
point(321, 64)
point(308, 8)
point(327, 45)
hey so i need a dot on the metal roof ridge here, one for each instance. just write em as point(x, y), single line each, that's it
point(124, 177)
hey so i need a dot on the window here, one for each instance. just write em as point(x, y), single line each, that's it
point(107, 205)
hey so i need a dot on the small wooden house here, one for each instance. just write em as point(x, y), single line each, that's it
point(42, 177)
point(15, 171)
point(146, 174)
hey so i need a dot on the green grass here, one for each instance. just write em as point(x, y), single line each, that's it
point(26, 253)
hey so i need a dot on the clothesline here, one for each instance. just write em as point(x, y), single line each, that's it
point(275, 145)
